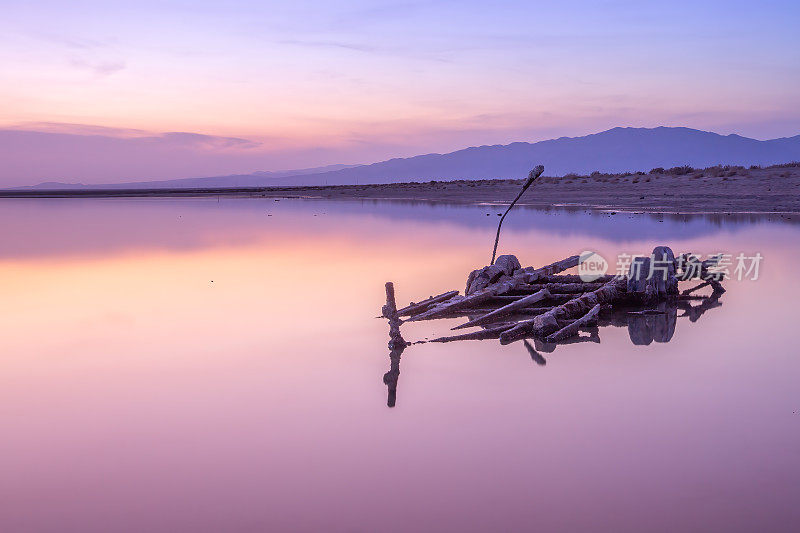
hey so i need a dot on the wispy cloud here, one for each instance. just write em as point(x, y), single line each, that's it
point(207, 142)
point(79, 129)
point(174, 139)
point(421, 53)
point(330, 44)
point(102, 68)
point(73, 42)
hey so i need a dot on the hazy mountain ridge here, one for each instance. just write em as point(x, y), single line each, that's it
point(255, 179)
point(615, 150)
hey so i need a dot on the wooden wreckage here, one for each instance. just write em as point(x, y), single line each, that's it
point(509, 302)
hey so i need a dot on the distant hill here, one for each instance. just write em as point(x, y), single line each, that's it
point(256, 179)
point(614, 150)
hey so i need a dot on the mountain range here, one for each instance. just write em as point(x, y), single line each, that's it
point(614, 150)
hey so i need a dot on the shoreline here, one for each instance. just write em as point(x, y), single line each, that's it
point(771, 191)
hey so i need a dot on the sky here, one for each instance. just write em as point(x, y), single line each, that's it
point(266, 85)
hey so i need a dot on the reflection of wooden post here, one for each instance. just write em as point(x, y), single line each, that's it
point(396, 344)
point(390, 378)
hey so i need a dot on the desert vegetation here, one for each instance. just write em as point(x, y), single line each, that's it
point(715, 189)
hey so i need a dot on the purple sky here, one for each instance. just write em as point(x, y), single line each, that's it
point(274, 85)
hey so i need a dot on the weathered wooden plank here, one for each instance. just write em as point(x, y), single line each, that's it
point(570, 278)
point(488, 333)
point(474, 312)
point(564, 322)
point(476, 298)
point(453, 304)
point(506, 309)
point(414, 308)
point(566, 288)
point(547, 323)
point(532, 274)
point(553, 295)
point(573, 328)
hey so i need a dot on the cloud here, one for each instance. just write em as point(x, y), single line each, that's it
point(73, 42)
point(207, 142)
point(95, 154)
point(102, 68)
point(393, 50)
point(173, 138)
point(330, 44)
point(78, 129)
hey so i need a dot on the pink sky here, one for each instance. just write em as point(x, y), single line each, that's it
point(312, 83)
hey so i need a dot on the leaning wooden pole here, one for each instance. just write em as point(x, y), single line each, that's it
point(535, 173)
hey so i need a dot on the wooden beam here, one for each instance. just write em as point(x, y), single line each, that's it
point(573, 328)
point(506, 309)
point(488, 333)
point(532, 274)
point(547, 323)
point(414, 308)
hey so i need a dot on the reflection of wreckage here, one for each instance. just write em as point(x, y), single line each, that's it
point(508, 302)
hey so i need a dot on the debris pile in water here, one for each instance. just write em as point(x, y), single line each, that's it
point(510, 302)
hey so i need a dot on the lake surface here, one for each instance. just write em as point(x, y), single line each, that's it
point(202, 365)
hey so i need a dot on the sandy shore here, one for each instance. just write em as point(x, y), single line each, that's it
point(768, 190)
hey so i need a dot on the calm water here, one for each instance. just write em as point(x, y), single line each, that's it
point(206, 366)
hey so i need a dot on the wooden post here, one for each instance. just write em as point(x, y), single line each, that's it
point(396, 345)
point(390, 312)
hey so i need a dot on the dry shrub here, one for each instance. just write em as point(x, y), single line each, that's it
point(680, 171)
point(793, 164)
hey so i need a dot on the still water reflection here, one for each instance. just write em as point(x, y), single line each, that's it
point(655, 323)
point(196, 365)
